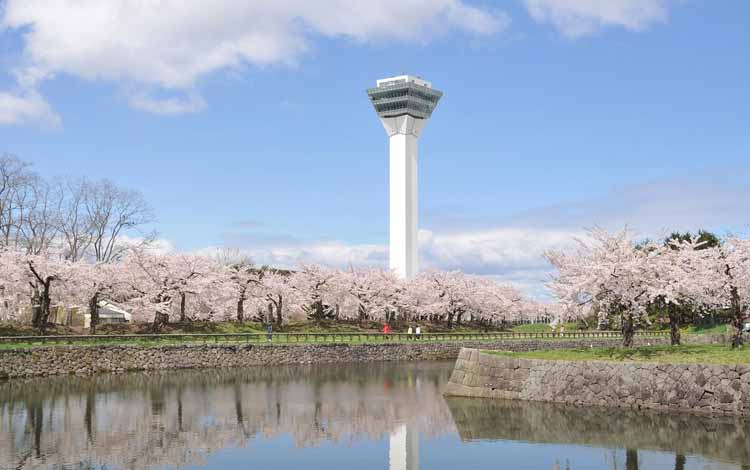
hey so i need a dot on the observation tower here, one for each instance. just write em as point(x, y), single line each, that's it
point(404, 104)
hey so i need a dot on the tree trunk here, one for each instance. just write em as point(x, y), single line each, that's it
point(458, 318)
point(160, 319)
point(279, 311)
point(93, 313)
point(278, 304)
point(631, 459)
point(241, 309)
point(674, 323)
point(628, 330)
point(161, 316)
point(737, 317)
point(89, 416)
point(183, 302)
point(450, 320)
point(40, 305)
point(45, 305)
point(679, 462)
point(317, 311)
point(35, 413)
point(36, 307)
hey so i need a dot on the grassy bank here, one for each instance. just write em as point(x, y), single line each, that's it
point(296, 332)
point(577, 326)
point(692, 354)
point(706, 330)
point(326, 326)
point(303, 338)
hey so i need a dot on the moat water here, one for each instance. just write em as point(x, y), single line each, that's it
point(360, 416)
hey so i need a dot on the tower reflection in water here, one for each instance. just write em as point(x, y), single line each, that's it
point(403, 453)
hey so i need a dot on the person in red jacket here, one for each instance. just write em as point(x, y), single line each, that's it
point(386, 329)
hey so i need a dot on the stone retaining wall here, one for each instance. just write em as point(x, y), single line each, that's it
point(674, 387)
point(65, 360)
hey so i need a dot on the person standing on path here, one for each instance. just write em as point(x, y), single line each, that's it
point(418, 331)
point(408, 334)
point(269, 332)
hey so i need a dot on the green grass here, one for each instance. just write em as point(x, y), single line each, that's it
point(329, 327)
point(532, 328)
point(545, 328)
point(8, 328)
point(692, 354)
point(696, 330)
point(326, 337)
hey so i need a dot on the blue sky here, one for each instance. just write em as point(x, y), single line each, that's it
point(247, 124)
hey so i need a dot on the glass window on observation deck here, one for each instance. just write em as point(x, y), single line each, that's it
point(391, 106)
point(422, 95)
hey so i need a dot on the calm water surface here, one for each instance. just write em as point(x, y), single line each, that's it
point(374, 416)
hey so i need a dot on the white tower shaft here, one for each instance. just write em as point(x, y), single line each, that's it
point(403, 206)
point(403, 132)
point(404, 104)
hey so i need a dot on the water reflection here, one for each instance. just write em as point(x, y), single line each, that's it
point(375, 416)
point(177, 418)
point(722, 438)
point(403, 451)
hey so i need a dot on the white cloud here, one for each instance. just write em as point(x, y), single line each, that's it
point(512, 250)
point(508, 254)
point(337, 254)
point(491, 251)
point(172, 44)
point(576, 18)
point(157, 246)
point(483, 252)
point(191, 103)
point(26, 107)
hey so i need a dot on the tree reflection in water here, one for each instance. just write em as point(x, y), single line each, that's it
point(722, 438)
point(176, 419)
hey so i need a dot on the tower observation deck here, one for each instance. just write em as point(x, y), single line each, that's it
point(404, 95)
point(403, 103)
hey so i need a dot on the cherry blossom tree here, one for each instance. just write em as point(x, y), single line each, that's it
point(92, 283)
point(447, 294)
point(13, 284)
point(315, 286)
point(160, 279)
point(612, 275)
point(731, 282)
point(240, 278)
point(373, 291)
point(679, 274)
point(495, 302)
point(278, 292)
point(43, 272)
point(606, 273)
point(158, 287)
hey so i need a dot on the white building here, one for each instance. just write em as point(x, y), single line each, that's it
point(404, 104)
point(108, 313)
